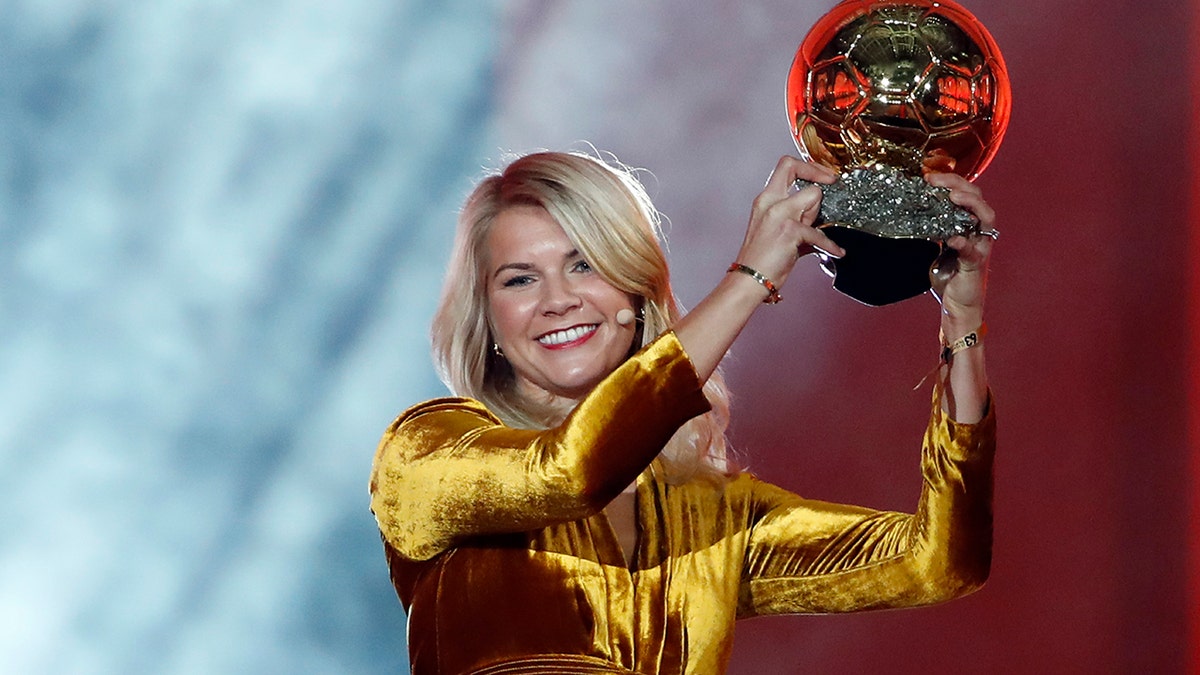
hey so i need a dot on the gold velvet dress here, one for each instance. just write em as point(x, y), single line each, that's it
point(505, 563)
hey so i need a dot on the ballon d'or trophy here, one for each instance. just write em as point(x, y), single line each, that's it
point(883, 92)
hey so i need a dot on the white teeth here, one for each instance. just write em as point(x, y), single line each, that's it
point(559, 337)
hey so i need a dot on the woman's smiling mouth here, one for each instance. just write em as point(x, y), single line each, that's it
point(568, 336)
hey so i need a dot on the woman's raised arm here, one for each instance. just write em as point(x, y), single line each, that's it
point(960, 284)
point(779, 232)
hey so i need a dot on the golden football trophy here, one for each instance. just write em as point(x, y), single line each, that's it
point(883, 92)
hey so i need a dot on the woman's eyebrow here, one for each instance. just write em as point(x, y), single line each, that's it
point(524, 266)
point(512, 266)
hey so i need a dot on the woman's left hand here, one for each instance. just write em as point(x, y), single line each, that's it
point(959, 277)
point(959, 281)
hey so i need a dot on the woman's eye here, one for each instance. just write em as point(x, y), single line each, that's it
point(581, 266)
point(519, 280)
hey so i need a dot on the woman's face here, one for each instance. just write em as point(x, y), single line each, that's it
point(553, 316)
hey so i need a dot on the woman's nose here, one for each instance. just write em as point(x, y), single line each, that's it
point(561, 297)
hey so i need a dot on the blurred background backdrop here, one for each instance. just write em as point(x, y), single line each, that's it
point(223, 228)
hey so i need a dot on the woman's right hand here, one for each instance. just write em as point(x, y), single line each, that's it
point(780, 231)
point(781, 221)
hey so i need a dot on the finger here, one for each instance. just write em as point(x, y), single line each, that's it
point(790, 169)
point(816, 173)
point(944, 267)
point(952, 181)
point(822, 241)
point(808, 199)
point(979, 208)
point(973, 250)
point(976, 241)
point(793, 220)
point(965, 194)
point(806, 207)
point(801, 207)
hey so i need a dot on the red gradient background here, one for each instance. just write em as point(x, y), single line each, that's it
point(1093, 355)
point(1193, 530)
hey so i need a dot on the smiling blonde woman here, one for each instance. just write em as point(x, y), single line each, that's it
point(574, 511)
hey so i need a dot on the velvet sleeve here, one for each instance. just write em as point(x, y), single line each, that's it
point(807, 556)
point(448, 468)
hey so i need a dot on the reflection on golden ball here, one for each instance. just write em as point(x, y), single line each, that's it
point(914, 85)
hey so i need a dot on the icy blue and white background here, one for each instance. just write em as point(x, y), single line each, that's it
point(223, 228)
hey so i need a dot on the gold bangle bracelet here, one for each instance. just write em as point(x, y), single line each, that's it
point(773, 295)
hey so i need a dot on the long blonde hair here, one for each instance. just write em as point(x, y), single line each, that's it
point(607, 215)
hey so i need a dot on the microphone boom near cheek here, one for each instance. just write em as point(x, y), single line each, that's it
point(625, 317)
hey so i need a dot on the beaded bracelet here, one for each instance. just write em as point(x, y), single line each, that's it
point(773, 295)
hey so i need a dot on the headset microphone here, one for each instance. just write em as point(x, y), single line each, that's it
point(625, 317)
